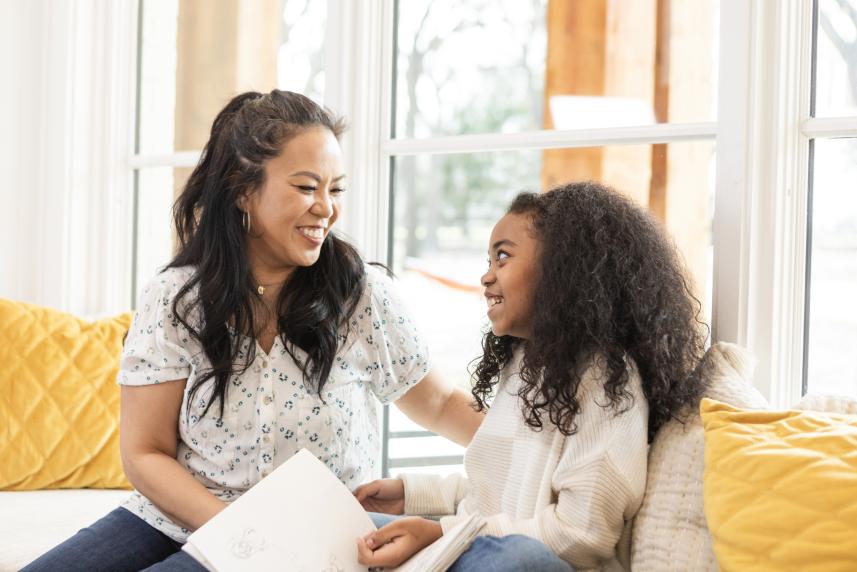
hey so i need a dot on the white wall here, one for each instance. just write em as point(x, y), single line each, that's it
point(66, 116)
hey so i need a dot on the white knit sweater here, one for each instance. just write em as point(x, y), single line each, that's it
point(577, 494)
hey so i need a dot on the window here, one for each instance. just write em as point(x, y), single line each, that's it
point(193, 57)
point(831, 324)
point(740, 137)
point(491, 98)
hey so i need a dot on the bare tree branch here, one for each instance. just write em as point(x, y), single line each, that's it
point(841, 45)
point(849, 9)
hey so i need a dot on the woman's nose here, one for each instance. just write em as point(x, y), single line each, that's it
point(323, 205)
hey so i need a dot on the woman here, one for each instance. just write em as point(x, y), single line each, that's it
point(265, 334)
point(594, 344)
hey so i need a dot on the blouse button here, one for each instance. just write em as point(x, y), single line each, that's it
point(268, 399)
point(266, 438)
point(265, 364)
point(266, 472)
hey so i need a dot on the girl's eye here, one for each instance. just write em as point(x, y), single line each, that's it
point(500, 257)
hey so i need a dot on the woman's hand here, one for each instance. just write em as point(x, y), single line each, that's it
point(383, 495)
point(398, 541)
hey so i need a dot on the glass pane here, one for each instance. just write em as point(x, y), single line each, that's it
point(832, 305)
point(197, 54)
point(446, 205)
point(836, 58)
point(157, 188)
point(484, 66)
point(421, 450)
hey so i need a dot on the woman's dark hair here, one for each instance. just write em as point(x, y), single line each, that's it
point(315, 302)
point(609, 286)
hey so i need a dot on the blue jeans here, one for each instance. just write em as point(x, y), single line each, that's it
point(117, 542)
point(514, 553)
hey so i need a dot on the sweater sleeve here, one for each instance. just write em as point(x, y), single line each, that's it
point(597, 486)
point(584, 526)
point(433, 495)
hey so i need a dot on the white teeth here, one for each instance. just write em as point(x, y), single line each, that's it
point(494, 301)
point(312, 232)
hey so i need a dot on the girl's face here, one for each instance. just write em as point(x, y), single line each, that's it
point(512, 259)
point(293, 211)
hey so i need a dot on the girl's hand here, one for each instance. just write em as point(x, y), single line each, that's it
point(383, 495)
point(398, 541)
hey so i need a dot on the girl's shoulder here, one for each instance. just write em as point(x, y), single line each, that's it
point(592, 388)
point(595, 372)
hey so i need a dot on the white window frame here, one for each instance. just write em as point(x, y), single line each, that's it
point(762, 134)
point(763, 168)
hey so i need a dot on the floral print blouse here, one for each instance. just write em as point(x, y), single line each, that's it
point(269, 413)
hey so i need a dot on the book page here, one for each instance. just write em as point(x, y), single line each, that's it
point(300, 517)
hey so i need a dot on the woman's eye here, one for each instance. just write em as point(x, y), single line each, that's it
point(306, 188)
point(337, 191)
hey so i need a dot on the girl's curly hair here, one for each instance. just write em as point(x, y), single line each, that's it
point(611, 284)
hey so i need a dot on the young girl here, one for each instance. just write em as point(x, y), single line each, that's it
point(594, 344)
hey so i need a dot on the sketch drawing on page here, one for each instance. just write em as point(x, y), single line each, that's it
point(248, 543)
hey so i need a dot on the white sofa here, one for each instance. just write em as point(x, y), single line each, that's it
point(32, 522)
point(669, 533)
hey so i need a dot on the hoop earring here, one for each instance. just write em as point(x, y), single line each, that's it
point(245, 221)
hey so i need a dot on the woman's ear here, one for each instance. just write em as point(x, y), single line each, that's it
point(243, 202)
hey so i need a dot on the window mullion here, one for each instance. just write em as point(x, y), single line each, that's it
point(760, 224)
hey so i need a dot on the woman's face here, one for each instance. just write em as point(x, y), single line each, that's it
point(512, 259)
point(297, 205)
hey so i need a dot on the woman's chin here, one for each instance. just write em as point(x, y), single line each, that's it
point(307, 259)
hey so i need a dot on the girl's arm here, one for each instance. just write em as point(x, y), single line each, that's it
point(393, 544)
point(442, 408)
point(148, 440)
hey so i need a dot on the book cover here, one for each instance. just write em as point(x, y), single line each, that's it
point(302, 518)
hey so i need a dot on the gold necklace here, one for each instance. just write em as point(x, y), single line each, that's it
point(260, 288)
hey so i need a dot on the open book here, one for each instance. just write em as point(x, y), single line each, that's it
point(302, 518)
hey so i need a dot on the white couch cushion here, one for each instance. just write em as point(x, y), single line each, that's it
point(828, 403)
point(670, 532)
point(33, 522)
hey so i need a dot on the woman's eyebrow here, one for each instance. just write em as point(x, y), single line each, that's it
point(309, 174)
point(314, 176)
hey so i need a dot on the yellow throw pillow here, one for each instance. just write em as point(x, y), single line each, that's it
point(59, 402)
point(780, 488)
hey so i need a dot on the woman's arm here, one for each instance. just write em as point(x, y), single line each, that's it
point(148, 433)
point(442, 408)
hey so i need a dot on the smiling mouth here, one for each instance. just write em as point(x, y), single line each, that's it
point(494, 300)
point(313, 232)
